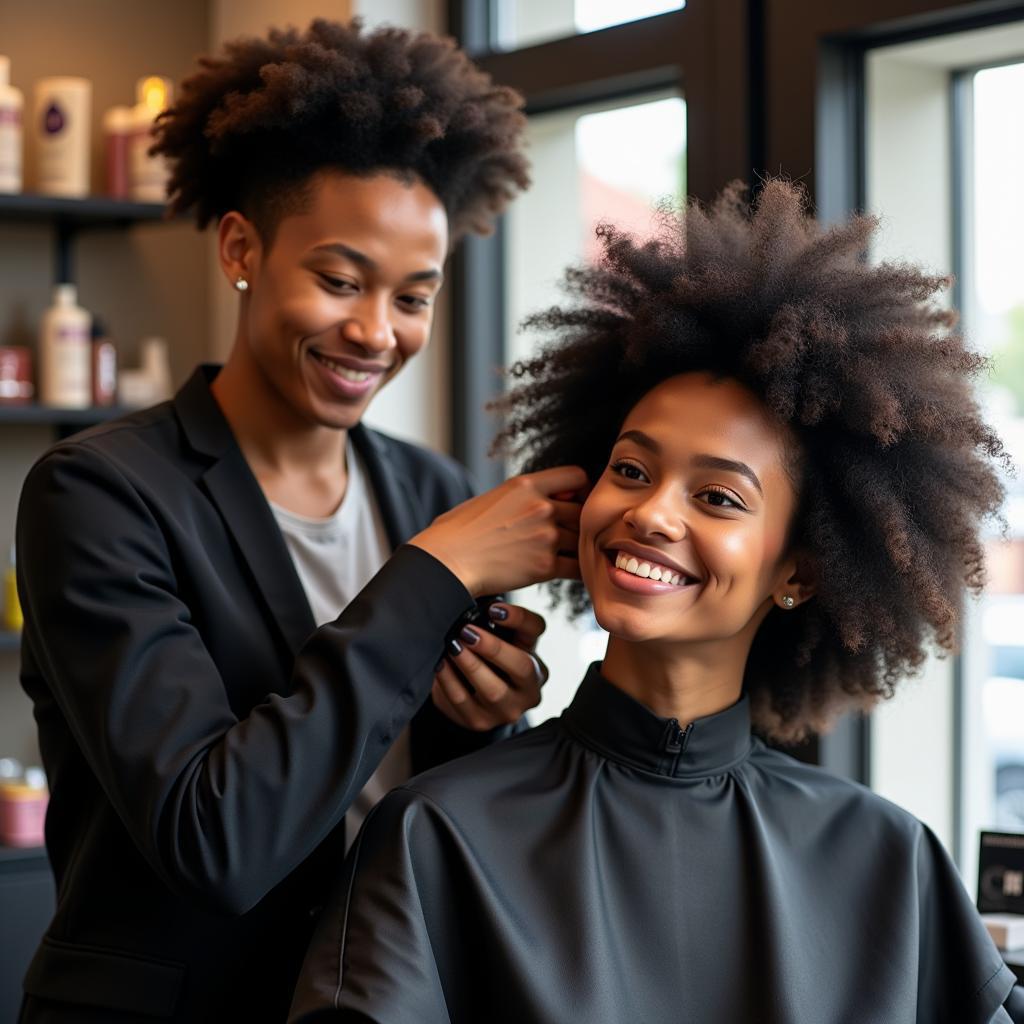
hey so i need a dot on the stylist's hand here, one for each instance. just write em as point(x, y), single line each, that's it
point(522, 532)
point(485, 681)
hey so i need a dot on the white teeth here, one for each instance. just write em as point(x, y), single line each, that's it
point(647, 571)
point(355, 376)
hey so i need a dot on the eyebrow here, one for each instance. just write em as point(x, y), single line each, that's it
point(703, 461)
point(348, 253)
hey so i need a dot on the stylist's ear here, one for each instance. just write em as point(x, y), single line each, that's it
point(238, 249)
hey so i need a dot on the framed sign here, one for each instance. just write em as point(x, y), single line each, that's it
point(1001, 873)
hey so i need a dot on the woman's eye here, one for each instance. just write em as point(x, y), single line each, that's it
point(720, 499)
point(414, 303)
point(628, 470)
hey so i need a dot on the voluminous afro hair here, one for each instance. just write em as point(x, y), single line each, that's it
point(254, 125)
point(896, 468)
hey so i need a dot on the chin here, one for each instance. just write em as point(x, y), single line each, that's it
point(626, 624)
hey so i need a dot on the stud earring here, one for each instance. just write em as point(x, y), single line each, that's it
point(241, 284)
point(788, 601)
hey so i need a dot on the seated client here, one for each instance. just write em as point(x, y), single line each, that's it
point(790, 477)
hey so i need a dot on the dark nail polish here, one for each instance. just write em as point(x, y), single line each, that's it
point(454, 647)
point(470, 635)
point(496, 613)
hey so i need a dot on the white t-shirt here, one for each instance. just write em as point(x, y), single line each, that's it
point(335, 558)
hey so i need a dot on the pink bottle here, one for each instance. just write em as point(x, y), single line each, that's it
point(23, 810)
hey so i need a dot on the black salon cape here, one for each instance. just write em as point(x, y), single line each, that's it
point(607, 867)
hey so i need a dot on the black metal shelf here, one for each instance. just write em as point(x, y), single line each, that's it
point(91, 212)
point(33, 413)
point(70, 216)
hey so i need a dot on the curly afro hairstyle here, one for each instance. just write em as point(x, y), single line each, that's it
point(894, 469)
point(252, 127)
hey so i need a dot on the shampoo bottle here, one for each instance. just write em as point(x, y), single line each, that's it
point(11, 106)
point(61, 129)
point(65, 352)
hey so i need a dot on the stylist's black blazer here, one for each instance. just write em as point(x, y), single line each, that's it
point(202, 739)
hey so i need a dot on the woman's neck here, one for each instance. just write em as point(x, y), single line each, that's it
point(299, 465)
point(684, 682)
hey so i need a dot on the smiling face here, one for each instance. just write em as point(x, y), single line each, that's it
point(343, 296)
point(683, 538)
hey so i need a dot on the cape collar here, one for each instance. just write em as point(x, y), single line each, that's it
point(609, 721)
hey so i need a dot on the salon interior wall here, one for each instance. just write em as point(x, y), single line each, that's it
point(908, 184)
point(416, 405)
point(149, 280)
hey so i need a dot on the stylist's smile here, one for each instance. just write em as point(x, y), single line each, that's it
point(347, 376)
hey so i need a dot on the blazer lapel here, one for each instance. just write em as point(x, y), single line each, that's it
point(235, 491)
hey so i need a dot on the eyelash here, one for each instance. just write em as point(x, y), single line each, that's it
point(619, 465)
point(336, 284)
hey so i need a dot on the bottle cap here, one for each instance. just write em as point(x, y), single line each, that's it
point(118, 120)
point(154, 92)
point(5, 71)
point(65, 295)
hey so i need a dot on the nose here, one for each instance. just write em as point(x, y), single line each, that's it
point(662, 512)
point(369, 324)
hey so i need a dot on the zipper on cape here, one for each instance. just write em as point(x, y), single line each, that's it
point(676, 739)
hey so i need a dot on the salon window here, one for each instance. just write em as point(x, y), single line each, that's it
point(944, 148)
point(525, 22)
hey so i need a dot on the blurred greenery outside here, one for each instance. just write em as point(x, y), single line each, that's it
point(1007, 371)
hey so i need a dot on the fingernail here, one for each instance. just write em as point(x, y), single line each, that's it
point(496, 613)
point(454, 646)
point(439, 666)
point(470, 635)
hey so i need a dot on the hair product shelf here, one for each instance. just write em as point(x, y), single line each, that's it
point(69, 216)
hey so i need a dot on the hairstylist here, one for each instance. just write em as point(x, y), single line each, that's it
point(236, 602)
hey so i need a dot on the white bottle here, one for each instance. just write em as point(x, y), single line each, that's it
point(60, 126)
point(11, 108)
point(65, 352)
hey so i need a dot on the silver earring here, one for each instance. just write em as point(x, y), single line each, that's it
point(241, 284)
point(788, 601)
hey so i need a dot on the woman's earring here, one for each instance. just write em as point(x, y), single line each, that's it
point(241, 284)
point(788, 601)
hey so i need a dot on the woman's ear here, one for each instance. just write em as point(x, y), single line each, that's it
point(797, 584)
point(238, 249)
